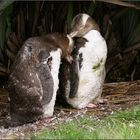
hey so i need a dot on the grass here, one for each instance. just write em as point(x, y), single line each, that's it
point(121, 125)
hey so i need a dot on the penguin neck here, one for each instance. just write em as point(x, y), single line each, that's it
point(60, 41)
point(93, 35)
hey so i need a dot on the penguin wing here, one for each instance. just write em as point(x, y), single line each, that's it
point(64, 79)
point(74, 72)
point(47, 83)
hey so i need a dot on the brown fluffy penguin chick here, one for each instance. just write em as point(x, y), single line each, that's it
point(33, 79)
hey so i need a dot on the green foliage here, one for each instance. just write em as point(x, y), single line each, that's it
point(5, 27)
point(4, 4)
point(121, 125)
point(91, 8)
point(69, 130)
point(96, 67)
point(129, 25)
point(69, 14)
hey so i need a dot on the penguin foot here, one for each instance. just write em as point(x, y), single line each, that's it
point(91, 105)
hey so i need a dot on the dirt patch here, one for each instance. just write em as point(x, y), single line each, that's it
point(117, 96)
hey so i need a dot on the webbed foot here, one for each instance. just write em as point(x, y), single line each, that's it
point(91, 105)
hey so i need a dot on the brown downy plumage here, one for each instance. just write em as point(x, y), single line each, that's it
point(33, 80)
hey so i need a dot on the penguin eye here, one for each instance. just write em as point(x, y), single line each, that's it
point(29, 49)
point(43, 55)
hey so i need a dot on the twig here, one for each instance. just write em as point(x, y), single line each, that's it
point(133, 47)
point(124, 100)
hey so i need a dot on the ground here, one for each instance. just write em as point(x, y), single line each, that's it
point(117, 96)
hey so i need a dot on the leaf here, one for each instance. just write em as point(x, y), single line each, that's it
point(91, 8)
point(4, 4)
point(5, 28)
point(121, 3)
point(70, 14)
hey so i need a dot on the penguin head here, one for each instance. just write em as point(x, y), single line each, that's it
point(82, 24)
point(32, 53)
point(65, 43)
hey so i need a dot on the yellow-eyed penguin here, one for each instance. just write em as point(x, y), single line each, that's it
point(33, 80)
point(89, 66)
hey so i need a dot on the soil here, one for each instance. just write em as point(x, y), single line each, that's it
point(116, 96)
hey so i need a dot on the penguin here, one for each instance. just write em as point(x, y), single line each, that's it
point(89, 64)
point(33, 80)
point(69, 75)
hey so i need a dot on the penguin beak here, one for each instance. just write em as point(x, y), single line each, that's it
point(73, 33)
point(69, 59)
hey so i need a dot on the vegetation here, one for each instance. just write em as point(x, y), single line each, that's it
point(118, 20)
point(120, 25)
point(121, 125)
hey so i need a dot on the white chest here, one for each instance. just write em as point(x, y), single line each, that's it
point(92, 72)
point(55, 64)
point(56, 59)
point(93, 54)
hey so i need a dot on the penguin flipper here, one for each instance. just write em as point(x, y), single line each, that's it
point(74, 79)
point(46, 82)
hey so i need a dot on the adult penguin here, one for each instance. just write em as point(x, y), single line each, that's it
point(33, 80)
point(89, 64)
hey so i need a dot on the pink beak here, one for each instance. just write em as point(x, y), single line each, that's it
point(73, 34)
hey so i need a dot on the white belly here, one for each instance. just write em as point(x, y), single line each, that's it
point(91, 74)
point(56, 59)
